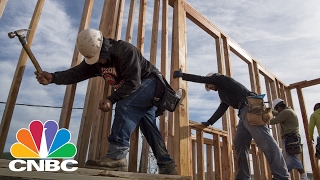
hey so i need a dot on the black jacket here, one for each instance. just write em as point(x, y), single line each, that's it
point(230, 91)
point(124, 71)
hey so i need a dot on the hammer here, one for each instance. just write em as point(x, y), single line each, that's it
point(22, 39)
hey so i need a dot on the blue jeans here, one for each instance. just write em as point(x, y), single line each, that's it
point(137, 109)
point(292, 161)
point(265, 141)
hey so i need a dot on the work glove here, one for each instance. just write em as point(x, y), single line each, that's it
point(177, 74)
point(206, 123)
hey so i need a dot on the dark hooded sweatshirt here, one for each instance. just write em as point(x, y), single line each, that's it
point(125, 69)
point(230, 91)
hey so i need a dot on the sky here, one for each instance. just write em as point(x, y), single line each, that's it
point(282, 35)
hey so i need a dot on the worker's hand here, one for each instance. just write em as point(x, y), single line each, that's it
point(177, 74)
point(206, 123)
point(43, 78)
point(105, 105)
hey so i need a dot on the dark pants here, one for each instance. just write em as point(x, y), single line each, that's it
point(137, 109)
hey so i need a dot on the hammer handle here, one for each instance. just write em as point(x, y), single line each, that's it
point(33, 60)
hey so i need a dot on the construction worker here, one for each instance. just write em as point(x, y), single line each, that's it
point(124, 68)
point(233, 93)
point(288, 120)
point(315, 121)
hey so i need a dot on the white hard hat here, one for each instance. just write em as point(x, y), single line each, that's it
point(205, 85)
point(89, 43)
point(276, 101)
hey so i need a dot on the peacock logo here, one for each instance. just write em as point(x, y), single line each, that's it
point(43, 141)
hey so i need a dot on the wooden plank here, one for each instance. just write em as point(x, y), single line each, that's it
point(95, 133)
point(268, 91)
point(232, 111)
point(83, 173)
point(180, 115)
point(241, 53)
point(111, 28)
point(95, 88)
point(2, 6)
point(274, 95)
point(217, 157)
point(163, 65)
point(252, 77)
point(90, 112)
point(191, 153)
point(143, 168)
point(303, 84)
point(170, 143)
point(283, 93)
point(256, 75)
point(154, 34)
point(206, 141)
point(265, 72)
point(84, 131)
point(220, 55)
point(255, 161)
point(111, 22)
point(227, 169)
point(263, 165)
point(133, 151)
point(133, 159)
point(105, 127)
point(304, 115)
point(201, 21)
point(200, 155)
point(130, 21)
point(69, 94)
point(208, 129)
point(222, 70)
point(109, 18)
point(141, 25)
point(278, 126)
point(51, 175)
point(194, 159)
point(209, 162)
point(227, 59)
point(119, 20)
point(289, 97)
point(17, 78)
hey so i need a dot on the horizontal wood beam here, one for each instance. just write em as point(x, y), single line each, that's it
point(305, 83)
point(206, 141)
point(239, 51)
point(201, 21)
point(208, 129)
point(264, 71)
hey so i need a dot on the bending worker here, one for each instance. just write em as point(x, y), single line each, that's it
point(233, 93)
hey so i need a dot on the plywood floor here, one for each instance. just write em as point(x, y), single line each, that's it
point(81, 173)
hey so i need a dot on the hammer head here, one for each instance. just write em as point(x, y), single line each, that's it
point(19, 33)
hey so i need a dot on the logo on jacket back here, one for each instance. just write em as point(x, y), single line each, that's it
point(111, 76)
point(43, 141)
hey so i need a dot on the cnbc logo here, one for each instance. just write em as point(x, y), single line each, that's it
point(38, 145)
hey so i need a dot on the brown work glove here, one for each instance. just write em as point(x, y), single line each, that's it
point(43, 78)
point(105, 105)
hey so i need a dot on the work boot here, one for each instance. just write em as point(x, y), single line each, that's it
point(168, 169)
point(111, 164)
